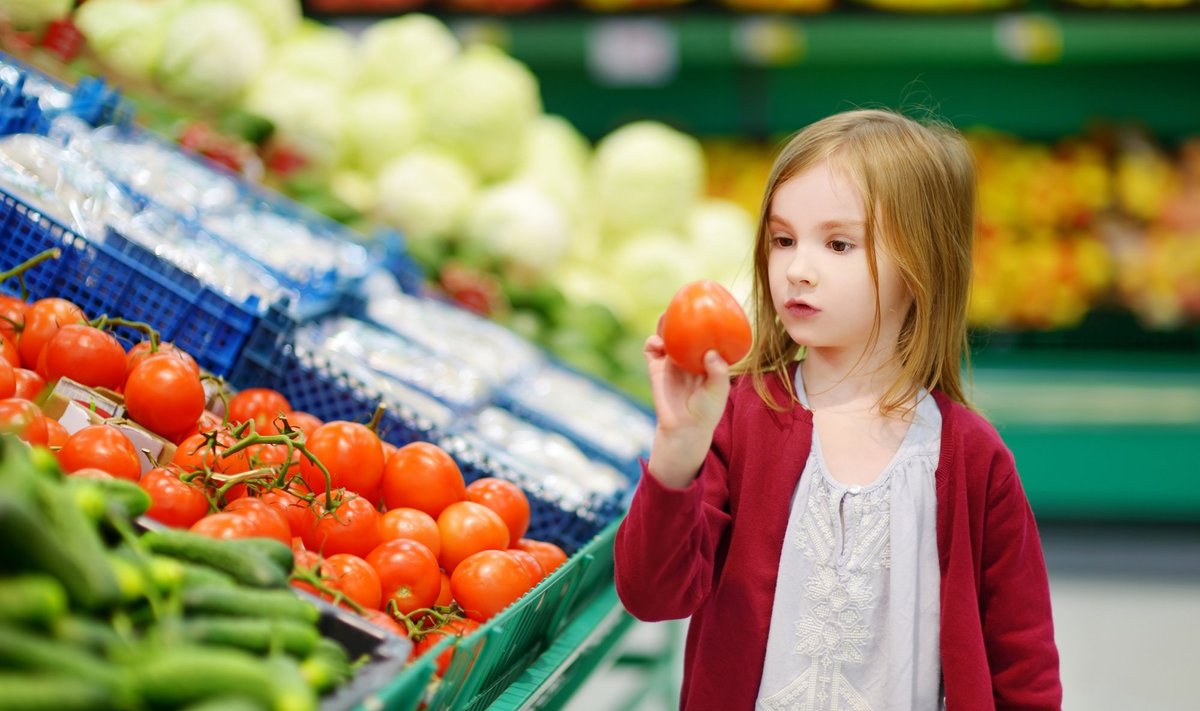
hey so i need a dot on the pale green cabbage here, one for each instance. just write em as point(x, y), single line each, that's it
point(211, 52)
point(425, 194)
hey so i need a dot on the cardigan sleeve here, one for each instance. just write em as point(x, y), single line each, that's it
point(1014, 600)
point(667, 546)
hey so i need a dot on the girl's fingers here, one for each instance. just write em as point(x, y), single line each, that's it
point(654, 347)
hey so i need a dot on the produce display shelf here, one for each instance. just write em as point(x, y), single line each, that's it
point(1099, 437)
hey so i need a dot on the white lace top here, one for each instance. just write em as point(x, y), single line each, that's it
point(854, 626)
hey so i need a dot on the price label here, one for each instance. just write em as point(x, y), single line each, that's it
point(1030, 39)
point(633, 52)
point(769, 41)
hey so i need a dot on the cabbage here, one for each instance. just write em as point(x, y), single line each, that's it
point(305, 110)
point(481, 107)
point(355, 189)
point(126, 35)
point(425, 194)
point(405, 52)
point(722, 235)
point(319, 51)
point(525, 229)
point(279, 18)
point(584, 285)
point(647, 176)
point(211, 52)
point(380, 125)
point(34, 14)
point(652, 265)
point(556, 159)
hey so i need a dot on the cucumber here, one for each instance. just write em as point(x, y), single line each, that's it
point(253, 635)
point(202, 576)
point(227, 703)
point(88, 633)
point(245, 602)
point(36, 600)
point(126, 496)
point(186, 675)
point(34, 545)
point(99, 586)
point(247, 565)
point(327, 667)
point(20, 649)
point(19, 692)
point(278, 552)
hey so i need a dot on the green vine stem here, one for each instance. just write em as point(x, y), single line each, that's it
point(19, 270)
point(108, 323)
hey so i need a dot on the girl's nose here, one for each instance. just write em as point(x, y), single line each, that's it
point(801, 270)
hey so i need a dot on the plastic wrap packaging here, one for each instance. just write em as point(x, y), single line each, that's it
point(51, 97)
point(586, 410)
point(492, 350)
point(376, 356)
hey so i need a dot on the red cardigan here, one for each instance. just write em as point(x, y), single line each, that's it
point(711, 551)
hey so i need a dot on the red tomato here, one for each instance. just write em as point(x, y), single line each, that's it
point(9, 353)
point(302, 421)
point(467, 528)
point(411, 524)
point(704, 316)
point(273, 456)
point(56, 434)
point(12, 318)
point(163, 395)
point(532, 566)
point(173, 501)
point(266, 520)
point(86, 355)
point(224, 525)
point(548, 554)
point(90, 472)
point(456, 628)
point(29, 384)
point(506, 499)
point(208, 422)
point(352, 454)
point(408, 572)
point(141, 352)
point(103, 447)
point(24, 419)
point(42, 321)
point(353, 527)
point(196, 454)
point(382, 619)
point(488, 582)
point(299, 513)
point(262, 405)
point(8, 380)
point(422, 476)
point(354, 578)
point(445, 596)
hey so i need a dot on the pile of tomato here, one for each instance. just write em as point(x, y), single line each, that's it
point(395, 534)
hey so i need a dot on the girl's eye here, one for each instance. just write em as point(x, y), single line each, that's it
point(782, 241)
point(840, 246)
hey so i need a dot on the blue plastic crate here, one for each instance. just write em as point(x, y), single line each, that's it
point(119, 278)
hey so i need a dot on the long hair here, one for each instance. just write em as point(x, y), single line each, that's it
point(918, 184)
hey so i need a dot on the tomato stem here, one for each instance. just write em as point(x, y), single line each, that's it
point(19, 270)
point(106, 323)
point(231, 480)
point(294, 442)
point(377, 417)
point(313, 578)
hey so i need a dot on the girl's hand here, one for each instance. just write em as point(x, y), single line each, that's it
point(688, 407)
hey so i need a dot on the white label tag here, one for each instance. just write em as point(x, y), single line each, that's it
point(633, 52)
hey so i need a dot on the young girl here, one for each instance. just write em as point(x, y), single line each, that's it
point(844, 531)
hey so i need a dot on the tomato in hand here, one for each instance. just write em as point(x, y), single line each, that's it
point(701, 317)
point(42, 321)
point(411, 524)
point(103, 447)
point(164, 395)
point(354, 578)
point(422, 476)
point(467, 528)
point(29, 384)
point(488, 582)
point(173, 501)
point(142, 351)
point(506, 499)
point(24, 419)
point(548, 554)
point(408, 573)
point(262, 405)
point(266, 521)
point(352, 454)
point(86, 355)
point(352, 527)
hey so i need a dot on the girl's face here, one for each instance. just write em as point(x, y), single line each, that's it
point(818, 268)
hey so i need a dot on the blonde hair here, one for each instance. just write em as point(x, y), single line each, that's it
point(917, 181)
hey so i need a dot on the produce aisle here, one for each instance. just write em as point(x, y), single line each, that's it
point(472, 217)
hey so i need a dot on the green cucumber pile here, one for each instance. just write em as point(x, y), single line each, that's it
point(95, 614)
